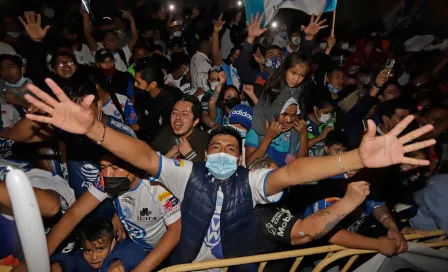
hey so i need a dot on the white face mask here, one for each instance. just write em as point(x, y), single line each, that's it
point(323, 45)
point(213, 85)
point(323, 117)
point(296, 40)
point(177, 34)
point(345, 46)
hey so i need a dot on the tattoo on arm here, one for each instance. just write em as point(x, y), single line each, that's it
point(328, 227)
point(215, 95)
point(320, 214)
point(381, 213)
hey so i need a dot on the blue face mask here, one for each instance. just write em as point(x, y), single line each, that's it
point(15, 35)
point(333, 89)
point(283, 34)
point(221, 165)
point(273, 63)
point(18, 84)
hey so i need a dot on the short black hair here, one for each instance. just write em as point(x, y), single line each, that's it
point(196, 108)
point(273, 47)
point(389, 107)
point(97, 231)
point(151, 70)
point(322, 99)
point(179, 59)
point(336, 137)
point(12, 58)
point(97, 77)
point(141, 45)
point(227, 130)
point(104, 33)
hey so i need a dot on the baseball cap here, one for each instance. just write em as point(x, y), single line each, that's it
point(432, 204)
point(176, 23)
point(177, 42)
point(241, 114)
point(102, 54)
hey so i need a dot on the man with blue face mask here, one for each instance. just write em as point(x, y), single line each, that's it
point(218, 196)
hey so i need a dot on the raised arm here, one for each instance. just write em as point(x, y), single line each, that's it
point(80, 119)
point(212, 111)
point(300, 127)
point(321, 223)
point(216, 56)
point(311, 31)
point(134, 33)
point(272, 132)
point(374, 152)
point(88, 33)
point(82, 207)
point(164, 247)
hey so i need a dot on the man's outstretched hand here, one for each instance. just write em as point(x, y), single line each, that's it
point(388, 149)
point(64, 114)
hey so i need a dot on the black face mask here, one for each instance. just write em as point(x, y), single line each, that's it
point(149, 41)
point(116, 186)
point(232, 102)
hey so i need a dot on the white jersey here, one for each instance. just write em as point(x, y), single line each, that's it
point(144, 211)
point(10, 116)
point(84, 56)
point(175, 173)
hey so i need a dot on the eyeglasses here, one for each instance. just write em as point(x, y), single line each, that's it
point(62, 64)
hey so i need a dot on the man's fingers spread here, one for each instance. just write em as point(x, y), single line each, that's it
point(416, 134)
point(413, 161)
point(419, 145)
point(39, 118)
point(42, 95)
point(322, 22)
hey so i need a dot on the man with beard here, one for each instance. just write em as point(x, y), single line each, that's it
point(182, 139)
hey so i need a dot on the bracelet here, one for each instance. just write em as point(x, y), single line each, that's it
point(340, 164)
point(383, 218)
point(102, 138)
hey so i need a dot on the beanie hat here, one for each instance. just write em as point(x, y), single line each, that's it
point(241, 114)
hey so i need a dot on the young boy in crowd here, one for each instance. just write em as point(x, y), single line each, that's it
point(99, 252)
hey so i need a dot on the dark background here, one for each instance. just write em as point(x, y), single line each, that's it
point(354, 14)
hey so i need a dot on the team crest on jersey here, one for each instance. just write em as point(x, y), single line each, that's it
point(163, 196)
point(178, 162)
point(127, 212)
point(171, 204)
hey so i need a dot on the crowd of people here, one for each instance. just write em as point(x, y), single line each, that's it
point(155, 138)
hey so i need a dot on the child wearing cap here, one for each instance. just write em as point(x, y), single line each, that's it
point(240, 118)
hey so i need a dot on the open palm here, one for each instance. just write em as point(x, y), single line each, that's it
point(314, 26)
point(254, 27)
point(64, 114)
point(32, 25)
point(388, 149)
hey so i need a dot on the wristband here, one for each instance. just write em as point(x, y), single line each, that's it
point(340, 164)
point(102, 138)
